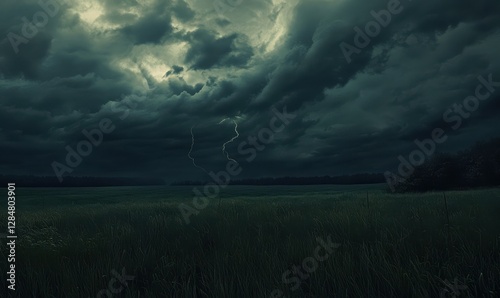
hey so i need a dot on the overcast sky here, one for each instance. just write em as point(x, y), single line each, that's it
point(159, 68)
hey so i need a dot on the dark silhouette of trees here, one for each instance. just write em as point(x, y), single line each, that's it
point(346, 179)
point(478, 166)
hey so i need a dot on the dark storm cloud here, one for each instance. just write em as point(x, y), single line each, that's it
point(172, 65)
point(176, 69)
point(149, 29)
point(222, 22)
point(23, 58)
point(153, 25)
point(183, 12)
point(316, 61)
point(207, 51)
point(179, 85)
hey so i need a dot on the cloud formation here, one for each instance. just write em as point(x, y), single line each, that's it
point(182, 64)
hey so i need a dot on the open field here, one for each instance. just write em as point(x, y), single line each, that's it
point(391, 245)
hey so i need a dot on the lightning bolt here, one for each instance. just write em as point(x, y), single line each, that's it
point(223, 145)
point(191, 150)
point(222, 121)
point(231, 140)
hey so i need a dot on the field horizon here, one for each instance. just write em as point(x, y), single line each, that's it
point(257, 241)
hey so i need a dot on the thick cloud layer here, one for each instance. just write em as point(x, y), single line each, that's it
point(157, 69)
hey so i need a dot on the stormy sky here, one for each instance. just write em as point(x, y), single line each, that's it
point(155, 70)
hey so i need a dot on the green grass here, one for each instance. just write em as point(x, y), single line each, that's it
point(398, 246)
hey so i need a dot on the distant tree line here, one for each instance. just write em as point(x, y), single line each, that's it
point(70, 181)
point(478, 166)
point(345, 179)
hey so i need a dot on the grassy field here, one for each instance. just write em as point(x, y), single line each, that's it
point(77, 242)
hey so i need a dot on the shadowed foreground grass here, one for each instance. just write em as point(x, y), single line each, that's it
point(395, 246)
